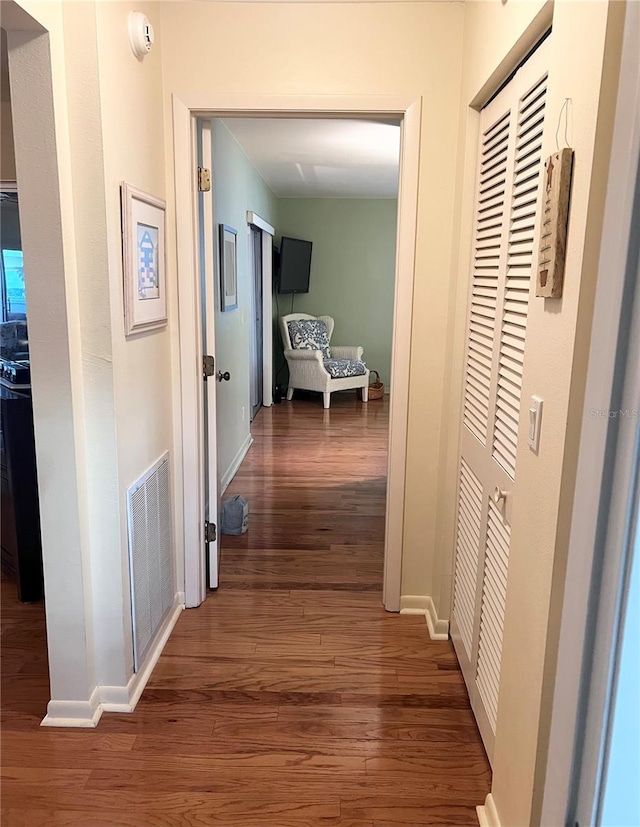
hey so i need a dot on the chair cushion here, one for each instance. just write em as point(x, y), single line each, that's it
point(341, 368)
point(309, 334)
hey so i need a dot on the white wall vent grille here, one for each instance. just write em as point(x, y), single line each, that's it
point(150, 555)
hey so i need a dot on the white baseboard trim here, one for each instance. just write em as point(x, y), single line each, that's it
point(438, 629)
point(125, 698)
point(413, 604)
point(84, 714)
point(418, 604)
point(236, 462)
point(488, 814)
point(113, 698)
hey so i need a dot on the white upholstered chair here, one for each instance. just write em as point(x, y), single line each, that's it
point(309, 370)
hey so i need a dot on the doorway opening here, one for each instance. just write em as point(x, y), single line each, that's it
point(403, 111)
point(21, 544)
point(334, 217)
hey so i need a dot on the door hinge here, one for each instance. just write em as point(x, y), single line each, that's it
point(210, 533)
point(208, 366)
point(204, 179)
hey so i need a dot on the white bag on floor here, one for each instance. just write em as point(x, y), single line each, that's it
point(235, 515)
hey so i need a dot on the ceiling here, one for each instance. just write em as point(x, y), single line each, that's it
point(322, 158)
point(312, 157)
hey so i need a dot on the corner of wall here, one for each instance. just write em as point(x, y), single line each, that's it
point(82, 714)
point(411, 604)
point(488, 814)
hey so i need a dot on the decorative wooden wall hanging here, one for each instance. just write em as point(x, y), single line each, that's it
point(553, 225)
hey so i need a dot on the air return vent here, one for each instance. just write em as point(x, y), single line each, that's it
point(150, 555)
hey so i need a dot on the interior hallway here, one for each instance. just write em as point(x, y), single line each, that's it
point(291, 698)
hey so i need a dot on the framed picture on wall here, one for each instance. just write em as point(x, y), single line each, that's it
point(144, 266)
point(228, 268)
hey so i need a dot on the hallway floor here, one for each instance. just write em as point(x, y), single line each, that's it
point(291, 698)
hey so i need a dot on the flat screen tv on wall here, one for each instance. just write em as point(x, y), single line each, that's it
point(295, 265)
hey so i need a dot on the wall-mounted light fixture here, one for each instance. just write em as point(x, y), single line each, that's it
point(140, 34)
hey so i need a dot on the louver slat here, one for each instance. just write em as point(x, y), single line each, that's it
point(491, 213)
point(520, 262)
point(494, 591)
point(467, 552)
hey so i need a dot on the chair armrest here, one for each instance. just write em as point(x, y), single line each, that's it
point(303, 355)
point(347, 352)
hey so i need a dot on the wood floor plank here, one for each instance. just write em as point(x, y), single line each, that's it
point(210, 806)
point(65, 742)
point(384, 714)
point(426, 700)
point(409, 813)
point(313, 731)
point(290, 698)
point(275, 783)
point(195, 817)
point(155, 759)
point(26, 780)
point(278, 677)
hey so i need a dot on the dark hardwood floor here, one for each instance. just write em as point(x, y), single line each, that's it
point(291, 698)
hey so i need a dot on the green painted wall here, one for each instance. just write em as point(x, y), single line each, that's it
point(352, 269)
point(237, 188)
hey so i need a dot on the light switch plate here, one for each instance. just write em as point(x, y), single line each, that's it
point(535, 423)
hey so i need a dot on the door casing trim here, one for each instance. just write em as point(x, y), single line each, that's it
point(267, 234)
point(186, 109)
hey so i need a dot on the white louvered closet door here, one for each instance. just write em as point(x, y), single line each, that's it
point(502, 270)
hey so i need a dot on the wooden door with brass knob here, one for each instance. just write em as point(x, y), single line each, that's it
point(208, 315)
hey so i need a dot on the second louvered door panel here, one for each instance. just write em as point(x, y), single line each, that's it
point(504, 240)
point(467, 552)
point(521, 244)
point(494, 591)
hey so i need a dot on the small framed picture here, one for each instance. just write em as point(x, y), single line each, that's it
point(228, 268)
point(144, 274)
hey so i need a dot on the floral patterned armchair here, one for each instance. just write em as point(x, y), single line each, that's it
point(314, 365)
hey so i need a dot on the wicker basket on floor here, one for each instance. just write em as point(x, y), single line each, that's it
point(376, 389)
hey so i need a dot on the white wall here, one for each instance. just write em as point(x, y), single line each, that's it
point(132, 132)
point(237, 188)
point(352, 269)
point(112, 634)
